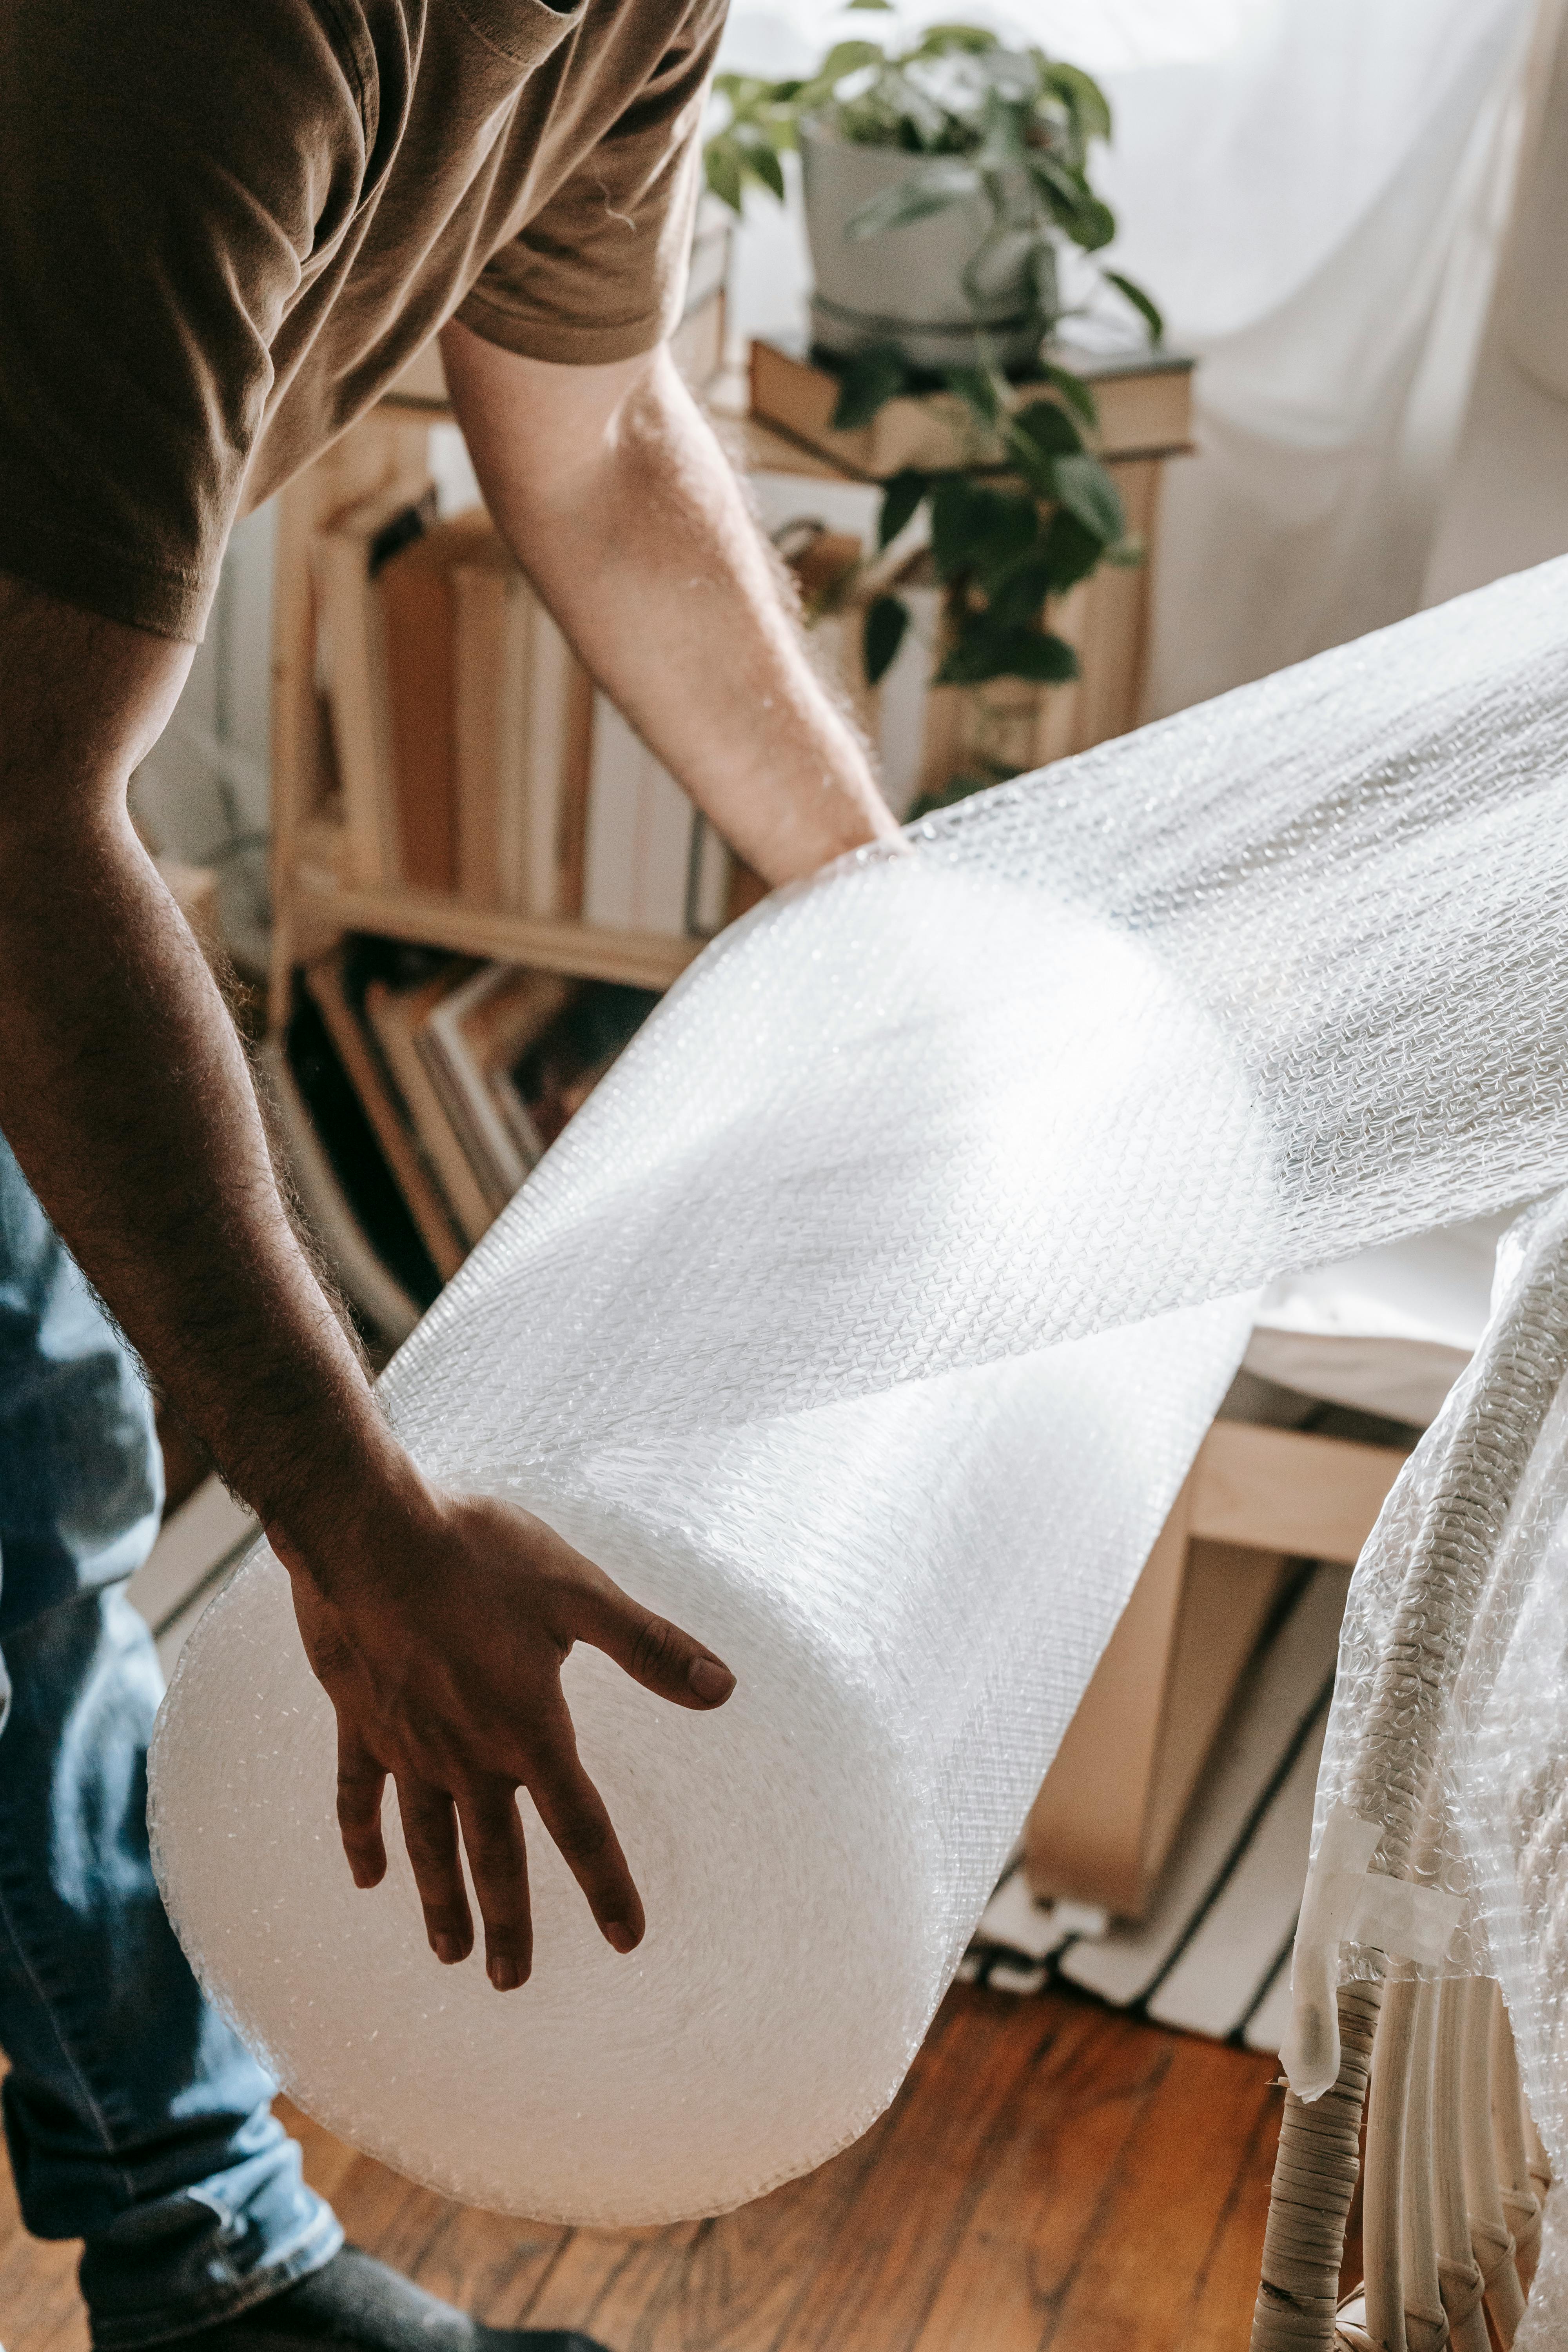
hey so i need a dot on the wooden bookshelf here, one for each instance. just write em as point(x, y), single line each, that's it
point(319, 889)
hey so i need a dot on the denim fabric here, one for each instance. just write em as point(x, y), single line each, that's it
point(135, 2119)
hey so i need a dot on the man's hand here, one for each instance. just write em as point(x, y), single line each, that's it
point(443, 1660)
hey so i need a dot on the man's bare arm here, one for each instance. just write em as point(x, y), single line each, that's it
point(438, 1624)
point(612, 491)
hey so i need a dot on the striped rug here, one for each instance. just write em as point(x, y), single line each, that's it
point(1214, 1954)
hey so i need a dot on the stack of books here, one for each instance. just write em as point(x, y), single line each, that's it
point(435, 1082)
point(474, 757)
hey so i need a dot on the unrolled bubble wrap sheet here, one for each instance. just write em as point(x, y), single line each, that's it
point(866, 1321)
point(1449, 1734)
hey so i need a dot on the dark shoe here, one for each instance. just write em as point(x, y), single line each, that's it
point(359, 2305)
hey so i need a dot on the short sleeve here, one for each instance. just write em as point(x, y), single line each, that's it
point(165, 175)
point(599, 271)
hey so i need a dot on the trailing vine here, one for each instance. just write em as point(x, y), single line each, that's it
point(1038, 512)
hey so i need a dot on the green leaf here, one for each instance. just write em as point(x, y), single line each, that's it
point(884, 7)
point(980, 388)
point(942, 40)
point(934, 188)
point(1017, 599)
point(845, 57)
point(1046, 280)
point(764, 164)
point(1046, 425)
point(1085, 101)
point(872, 377)
point(1068, 552)
point(1010, 526)
point(1127, 553)
point(1080, 398)
point(1147, 309)
point(982, 653)
point(886, 618)
point(721, 167)
point(1060, 181)
point(900, 499)
point(1073, 203)
point(1031, 448)
point(1048, 660)
point(974, 529)
point(1088, 493)
point(958, 516)
point(1094, 226)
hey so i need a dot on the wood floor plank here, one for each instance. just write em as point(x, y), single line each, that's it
point(490, 2265)
point(745, 2274)
point(1052, 2177)
point(617, 2286)
point(878, 2282)
point(1160, 2220)
point(40, 2310)
point(1036, 2216)
point(1226, 2287)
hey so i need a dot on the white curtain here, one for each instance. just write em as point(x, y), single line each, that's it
point(1506, 501)
point(1310, 189)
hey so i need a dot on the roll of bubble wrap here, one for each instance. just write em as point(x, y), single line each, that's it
point(866, 1321)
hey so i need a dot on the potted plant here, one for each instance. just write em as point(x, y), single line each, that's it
point(942, 182)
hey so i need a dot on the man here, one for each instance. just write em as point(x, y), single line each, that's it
point(223, 229)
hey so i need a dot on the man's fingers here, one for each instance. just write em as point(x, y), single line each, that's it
point(573, 1812)
point(651, 1650)
point(361, 1781)
point(430, 1834)
point(497, 1865)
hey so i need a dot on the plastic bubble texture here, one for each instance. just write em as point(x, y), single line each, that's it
point(867, 1320)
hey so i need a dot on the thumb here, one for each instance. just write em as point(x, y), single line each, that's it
point(664, 1660)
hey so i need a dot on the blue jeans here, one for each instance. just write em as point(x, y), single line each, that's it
point(135, 2119)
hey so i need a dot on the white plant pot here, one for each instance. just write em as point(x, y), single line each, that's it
point(905, 286)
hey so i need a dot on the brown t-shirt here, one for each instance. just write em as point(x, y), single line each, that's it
point(226, 225)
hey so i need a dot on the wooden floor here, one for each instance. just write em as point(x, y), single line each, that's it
point(1052, 2175)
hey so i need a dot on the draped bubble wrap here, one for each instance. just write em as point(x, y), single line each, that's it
point(866, 1321)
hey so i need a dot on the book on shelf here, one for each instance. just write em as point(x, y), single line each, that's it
point(334, 1210)
point(521, 703)
point(459, 716)
point(395, 1014)
point(401, 1144)
point(557, 1074)
point(461, 1073)
point(343, 1132)
point(472, 1042)
point(653, 862)
point(352, 665)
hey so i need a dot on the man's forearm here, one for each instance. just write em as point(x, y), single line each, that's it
point(639, 540)
point(125, 1094)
